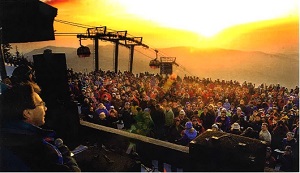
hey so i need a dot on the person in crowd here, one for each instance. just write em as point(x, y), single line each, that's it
point(183, 118)
point(256, 123)
point(113, 117)
point(188, 134)
point(126, 116)
point(5, 84)
point(296, 131)
point(102, 119)
point(289, 105)
point(226, 104)
point(106, 102)
point(264, 134)
point(143, 123)
point(235, 129)
point(101, 108)
point(116, 101)
point(215, 128)
point(240, 118)
point(169, 117)
point(197, 124)
point(249, 109)
point(211, 109)
point(87, 110)
point(23, 74)
point(188, 110)
point(287, 161)
point(270, 160)
point(250, 133)
point(158, 118)
point(278, 133)
point(289, 140)
point(224, 121)
point(207, 119)
point(27, 147)
point(232, 109)
point(175, 131)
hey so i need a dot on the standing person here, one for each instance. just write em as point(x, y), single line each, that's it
point(226, 104)
point(144, 123)
point(278, 133)
point(126, 116)
point(270, 160)
point(27, 147)
point(175, 130)
point(183, 118)
point(169, 117)
point(264, 134)
point(158, 118)
point(207, 119)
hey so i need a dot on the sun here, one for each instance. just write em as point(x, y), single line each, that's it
point(207, 18)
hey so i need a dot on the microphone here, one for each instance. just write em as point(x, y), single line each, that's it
point(59, 143)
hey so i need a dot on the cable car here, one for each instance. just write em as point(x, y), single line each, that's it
point(154, 63)
point(83, 51)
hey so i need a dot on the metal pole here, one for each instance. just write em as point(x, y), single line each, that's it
point(116, 55)
point(131, 58)
point(96, 53)
point(2, 65)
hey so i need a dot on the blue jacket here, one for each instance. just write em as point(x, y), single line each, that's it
point(25, 147)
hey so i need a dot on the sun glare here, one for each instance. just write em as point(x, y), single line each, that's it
point(207, 18)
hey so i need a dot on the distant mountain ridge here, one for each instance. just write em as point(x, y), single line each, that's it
point(251, 66)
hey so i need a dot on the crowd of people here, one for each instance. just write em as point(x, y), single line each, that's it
point(178, 109)
point(175, 109)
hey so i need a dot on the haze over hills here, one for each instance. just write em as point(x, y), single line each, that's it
point(251, 66)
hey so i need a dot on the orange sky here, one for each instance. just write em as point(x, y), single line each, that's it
point(264, 25)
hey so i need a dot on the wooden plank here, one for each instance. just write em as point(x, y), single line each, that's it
point(153, 141)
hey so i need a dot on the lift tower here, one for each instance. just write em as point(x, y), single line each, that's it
point(117, 37)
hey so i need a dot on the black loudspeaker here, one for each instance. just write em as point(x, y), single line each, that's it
point(225, 152)
point(26, 21)
point(51, 76)
point(62, 114)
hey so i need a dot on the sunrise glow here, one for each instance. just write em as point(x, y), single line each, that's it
point(197, 23)
point(208, 18)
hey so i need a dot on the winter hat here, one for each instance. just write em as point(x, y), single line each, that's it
point(146, 110)
point(235, 126)
point(182, 112)
point(215, 126)
point(188, 125)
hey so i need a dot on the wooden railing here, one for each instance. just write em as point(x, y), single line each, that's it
point(150, 150)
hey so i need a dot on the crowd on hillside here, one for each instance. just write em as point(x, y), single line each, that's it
point(178, 109)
